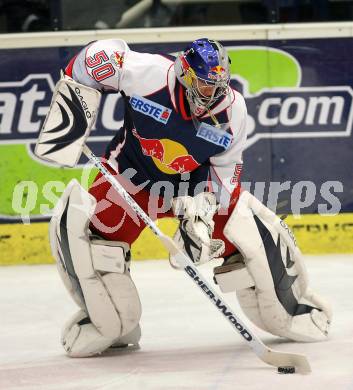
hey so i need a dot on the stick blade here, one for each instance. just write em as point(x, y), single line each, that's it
point(280, 359)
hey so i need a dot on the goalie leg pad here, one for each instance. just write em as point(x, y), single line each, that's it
point(233, 275)
point(96, 272)
point(80, 338)
point(285, 305)
point(60, 249)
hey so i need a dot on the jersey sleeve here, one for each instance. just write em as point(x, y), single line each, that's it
point(226, 167)
point(100, 64)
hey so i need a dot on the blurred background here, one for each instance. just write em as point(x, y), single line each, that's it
point(55, 15)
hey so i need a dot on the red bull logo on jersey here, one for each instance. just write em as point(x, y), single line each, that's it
point(169, 156)
point(118, 59)
point(150, 108)
point(183, 164)
point(150, 146)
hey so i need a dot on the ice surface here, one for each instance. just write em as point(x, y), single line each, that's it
point(185, 343)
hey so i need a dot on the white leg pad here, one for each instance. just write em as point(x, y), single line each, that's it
point(285, 306)
point(83, 340)
point(80, 338)
point(248, 301)
point(61, 253)
point(95, 272)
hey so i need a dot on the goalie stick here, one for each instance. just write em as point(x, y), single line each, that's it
point(266, 354)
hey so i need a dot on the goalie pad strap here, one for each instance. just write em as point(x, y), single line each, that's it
point(233, 275)
point(109, 256)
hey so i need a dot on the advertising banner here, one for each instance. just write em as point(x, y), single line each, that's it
point(298, 158)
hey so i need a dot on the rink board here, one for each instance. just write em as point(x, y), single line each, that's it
point(297, 83)
point(315, 234)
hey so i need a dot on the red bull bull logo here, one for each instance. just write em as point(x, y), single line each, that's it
point(118, 59)
point(218, 69)
point(150, 146)
point(170, 156)
point(183, 164)
point(216, 73)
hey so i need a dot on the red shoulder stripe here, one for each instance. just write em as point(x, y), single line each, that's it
point(70, 65)
point(181, 104)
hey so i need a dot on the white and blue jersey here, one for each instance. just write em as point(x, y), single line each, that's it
point(159, 139)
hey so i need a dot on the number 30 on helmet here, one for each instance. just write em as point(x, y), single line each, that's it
point(203, 69)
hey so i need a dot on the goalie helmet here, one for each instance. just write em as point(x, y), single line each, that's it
point(203, 69)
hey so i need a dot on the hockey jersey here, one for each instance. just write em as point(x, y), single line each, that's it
point(159, 144)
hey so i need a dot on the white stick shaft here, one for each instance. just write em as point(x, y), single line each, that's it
point(121, 190)
point(266, 354)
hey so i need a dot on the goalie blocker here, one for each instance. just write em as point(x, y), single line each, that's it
point(269, 275)
point(69, 121)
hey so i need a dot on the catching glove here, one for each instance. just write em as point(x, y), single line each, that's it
point(196, 227)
